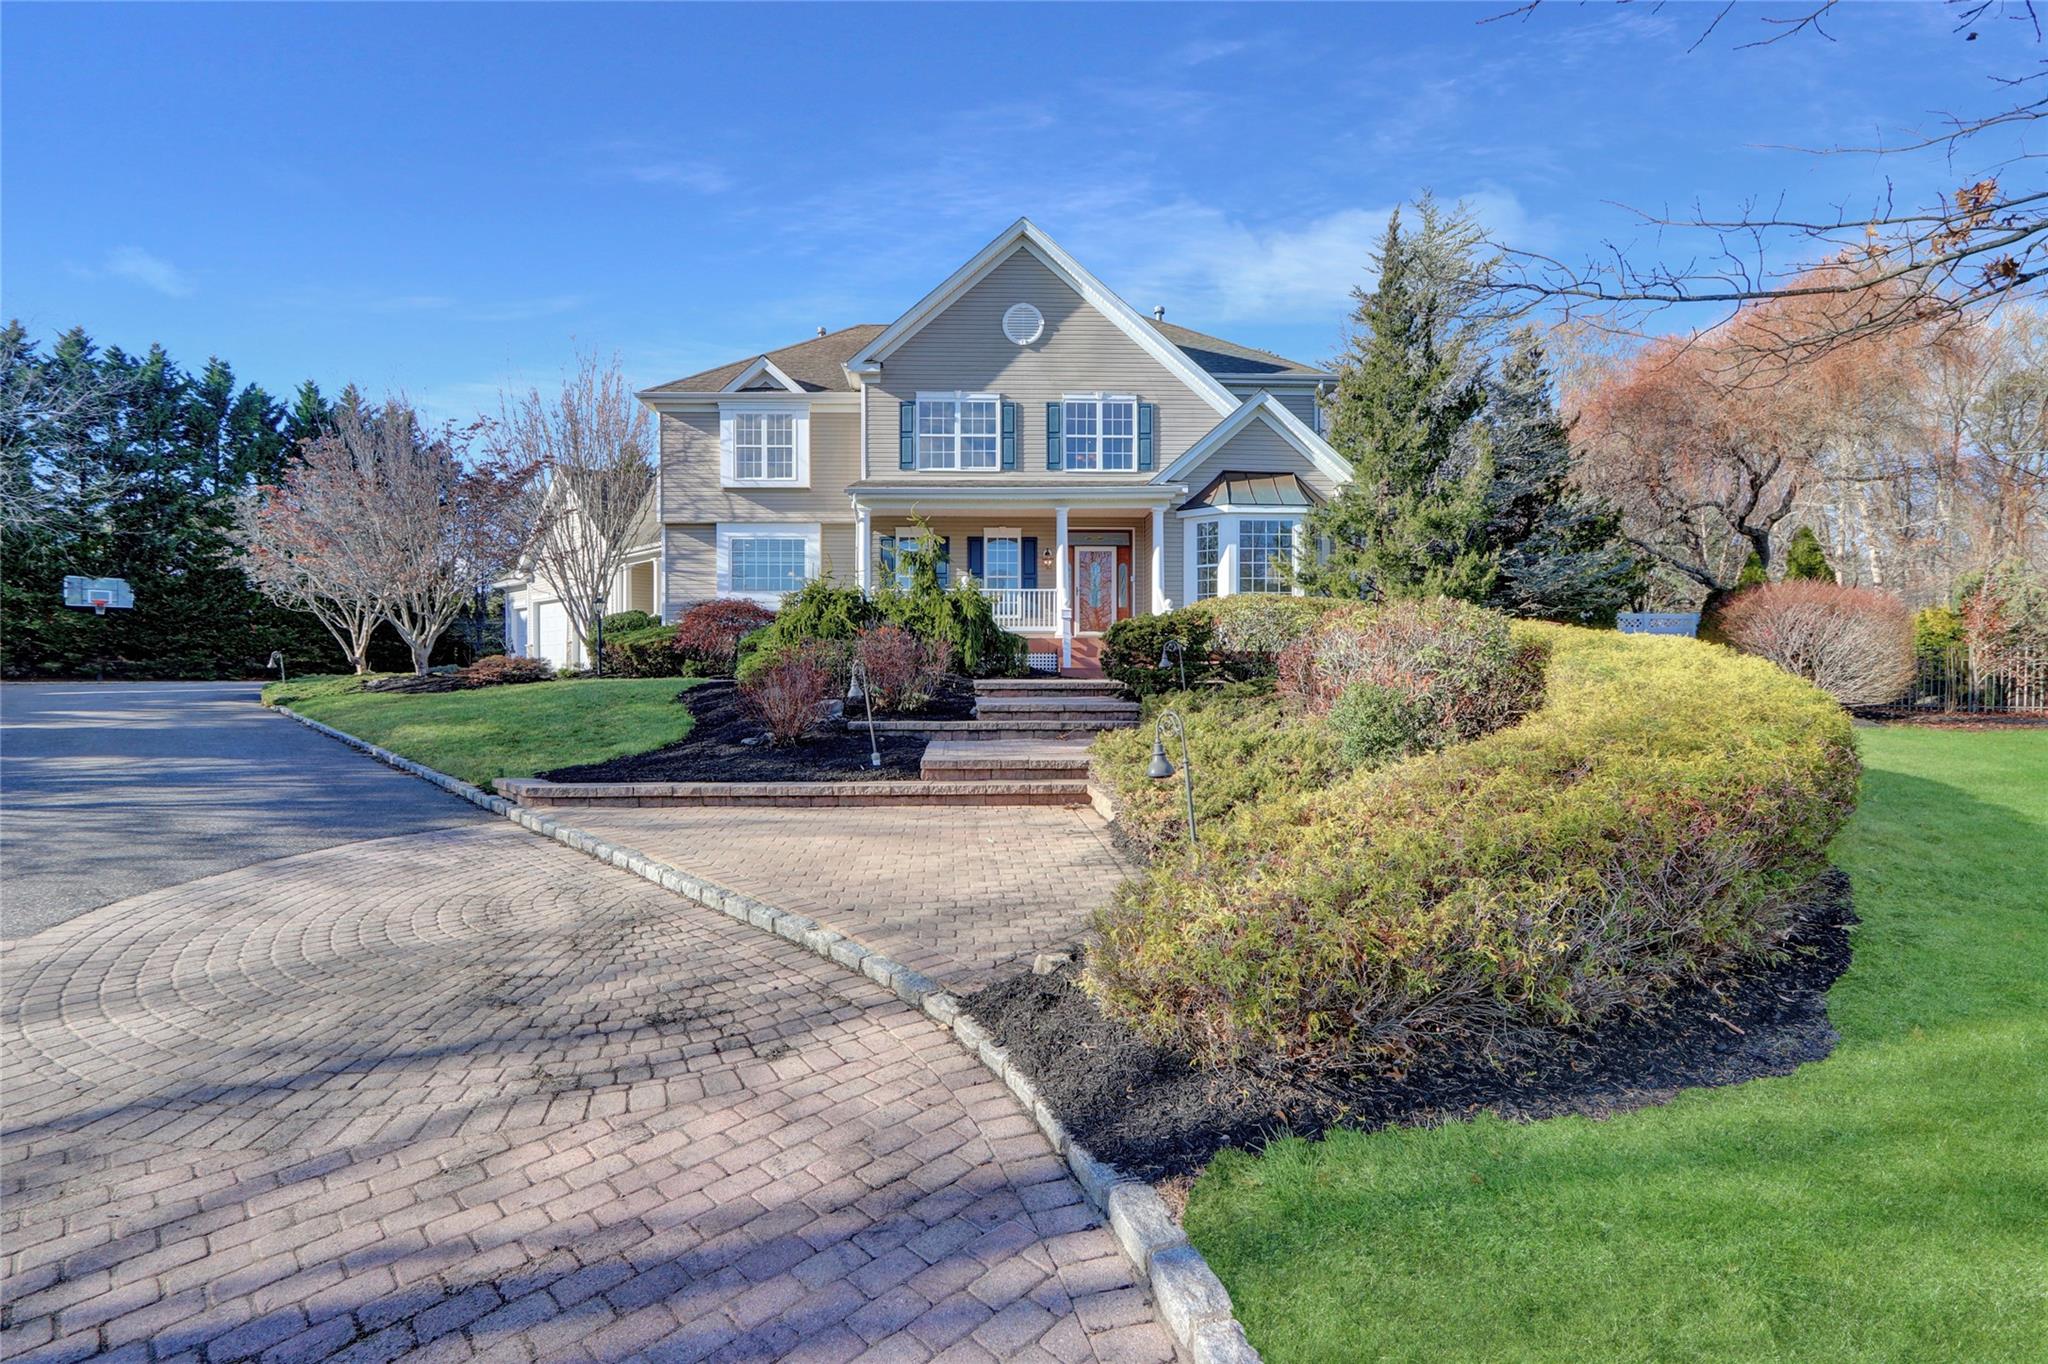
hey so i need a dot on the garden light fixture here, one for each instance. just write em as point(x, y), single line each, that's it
point(597, 654)
point(1176, 650)
point(277, 662)
point(1161, 769)
point(857, 690)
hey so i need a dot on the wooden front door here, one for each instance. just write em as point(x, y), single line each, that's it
point(1095, 591)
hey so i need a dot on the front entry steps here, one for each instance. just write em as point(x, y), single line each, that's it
point(1023, 760)
point(1028, 709)
point(1097, 712)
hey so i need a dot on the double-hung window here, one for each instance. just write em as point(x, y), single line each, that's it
point(1101, 432)
point(763, 446)
point(1208, 555)
point(1264, 548)
point(1002, 560)
point(959, 431)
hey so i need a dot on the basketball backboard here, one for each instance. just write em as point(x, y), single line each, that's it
point(98, 595)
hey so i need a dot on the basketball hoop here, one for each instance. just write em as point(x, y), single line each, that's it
point(99, 599)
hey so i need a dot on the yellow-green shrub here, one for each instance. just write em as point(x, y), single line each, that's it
point(1649, 824)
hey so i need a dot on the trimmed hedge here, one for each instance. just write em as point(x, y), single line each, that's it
point(1649, 824)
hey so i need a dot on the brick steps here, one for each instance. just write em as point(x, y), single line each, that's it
point(541, 795)
point(1004, 760)
point(1005, 728)
point(1049, 686)
point(1069, 708)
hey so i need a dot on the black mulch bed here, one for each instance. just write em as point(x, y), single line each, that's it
point(1149, 1113)
point(729, 743)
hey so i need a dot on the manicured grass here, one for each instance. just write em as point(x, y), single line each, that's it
point(1889, 1203)
point(500, 731)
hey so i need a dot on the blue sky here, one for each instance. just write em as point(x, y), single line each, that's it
point(447, 198)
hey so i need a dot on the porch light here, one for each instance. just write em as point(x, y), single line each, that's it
point(1161, 769)
point(1171, 650)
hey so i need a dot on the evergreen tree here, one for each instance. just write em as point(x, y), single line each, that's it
point(1754, 572)
point(1806, 560)
point(1562, 556)
point(310, 416)
point(1412, 522)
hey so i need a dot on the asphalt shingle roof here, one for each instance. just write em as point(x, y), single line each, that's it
point(1218, 356)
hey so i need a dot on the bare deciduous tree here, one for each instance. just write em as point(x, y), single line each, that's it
point(593, 447)
point(1976, 238)
point(312, 540)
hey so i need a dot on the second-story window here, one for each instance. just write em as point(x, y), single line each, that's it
point(959, 431)
point(764, 445)
point(1101, 432)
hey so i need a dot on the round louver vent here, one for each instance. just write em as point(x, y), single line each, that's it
point(1022, 323)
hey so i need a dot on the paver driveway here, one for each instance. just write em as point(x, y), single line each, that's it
point(465, 1093)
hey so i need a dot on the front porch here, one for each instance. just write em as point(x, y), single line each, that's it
point(1060, 573)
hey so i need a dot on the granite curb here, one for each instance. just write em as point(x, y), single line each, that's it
point(1191, 1301)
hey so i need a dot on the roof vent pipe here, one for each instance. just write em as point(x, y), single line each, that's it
point(821, 331)
point(1159, 313)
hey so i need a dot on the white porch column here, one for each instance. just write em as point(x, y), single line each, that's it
point(1061, 585)
point(863, 545)
point(1159, 599)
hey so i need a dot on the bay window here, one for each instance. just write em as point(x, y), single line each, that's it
point(1237, 553)
point(1100, 432)
point(959, 431)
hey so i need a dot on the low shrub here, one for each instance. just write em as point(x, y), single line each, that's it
point(647, 652)
point(903, 672)
point(1377, 724)
point(1854, 643)
point(710, 632)
point(1244, 749)
point(1463, 670)
point(789, 693)
point(498, 670)
point(1650, 824)
point(1131, 650)
point(1255, 628)
point(624, 622)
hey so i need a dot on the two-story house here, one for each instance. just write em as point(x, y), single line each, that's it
point(1082, 461)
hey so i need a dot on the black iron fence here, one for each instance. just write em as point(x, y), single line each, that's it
point(1966, 681)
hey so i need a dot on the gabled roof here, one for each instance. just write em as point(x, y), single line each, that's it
point(1261, 406)
point(1228, 359)
point(1026, 235)
point(815, 366)
point(1231, 489)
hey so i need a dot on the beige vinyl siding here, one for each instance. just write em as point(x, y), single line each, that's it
point(1300, 401)
point(693, 561)
point(963, 349)
point(690, 491)
point(956, 529)
point(1257, 449)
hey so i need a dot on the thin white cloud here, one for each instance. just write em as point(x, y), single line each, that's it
point(138, 266)
point(701, 176)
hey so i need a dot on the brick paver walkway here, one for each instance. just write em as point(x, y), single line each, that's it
point(963, 894)
point(466, 1093)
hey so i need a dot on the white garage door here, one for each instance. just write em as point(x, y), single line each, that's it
point(551, 633)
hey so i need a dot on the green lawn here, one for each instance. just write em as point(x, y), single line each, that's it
point(1889, 1203)
point(500, 731)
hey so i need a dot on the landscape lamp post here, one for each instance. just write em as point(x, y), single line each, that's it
point(597, 656)
point(1177, 650)
point(1161, 769)
point(857, 690)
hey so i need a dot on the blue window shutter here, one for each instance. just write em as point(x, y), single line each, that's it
point(906, 438)
point(888, 556)
point(1147, 418)
point(1052, 435)
point(974, 559)
point(1009, 435)
point(945, 560)
point(1029, 561)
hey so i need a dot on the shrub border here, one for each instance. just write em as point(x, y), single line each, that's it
point(1191, 1301)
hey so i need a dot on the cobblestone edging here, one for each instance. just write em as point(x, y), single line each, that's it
point(1191, 1301)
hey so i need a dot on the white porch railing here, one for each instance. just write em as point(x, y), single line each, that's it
point(1027, 610)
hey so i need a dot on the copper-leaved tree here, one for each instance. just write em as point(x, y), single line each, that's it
point(592, 445)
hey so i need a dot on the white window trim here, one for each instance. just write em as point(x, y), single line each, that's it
point(810, 532)
point(1098, 399)
point(957, 399)
point(991, 534)
point(1226, 555)
point(728, 471)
